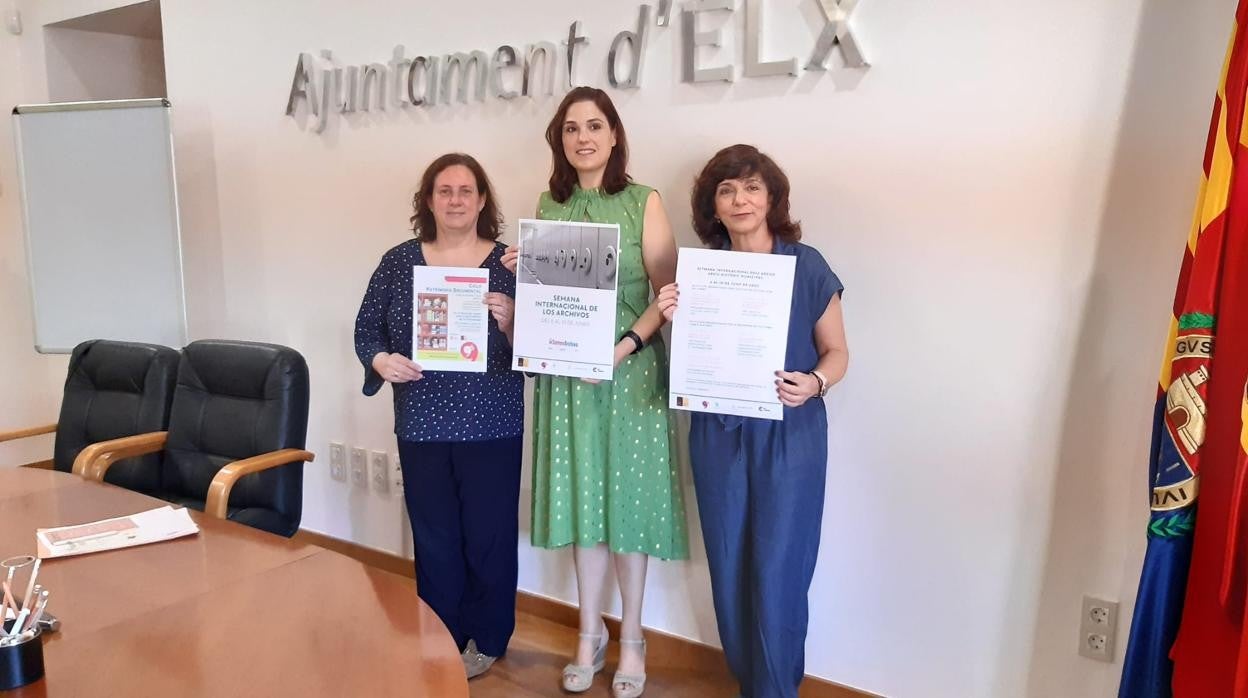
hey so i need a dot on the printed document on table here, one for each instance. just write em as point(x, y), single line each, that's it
point(154, 526)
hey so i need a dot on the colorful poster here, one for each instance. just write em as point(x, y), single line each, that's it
point(730, 332)
point(565, 298)
point(450, 322)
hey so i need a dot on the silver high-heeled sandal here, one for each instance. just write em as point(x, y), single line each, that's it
point(634, 684)
point(577, 678)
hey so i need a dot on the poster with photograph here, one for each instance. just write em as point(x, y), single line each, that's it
point(565, 298)
point(450, 323)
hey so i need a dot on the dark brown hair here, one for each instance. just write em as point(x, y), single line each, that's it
point(489, 221)
point(736, 162)
point(563, 175)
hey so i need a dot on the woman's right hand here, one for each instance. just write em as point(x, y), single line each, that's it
point(668, 296)
point(510, 255)
point(396, 368)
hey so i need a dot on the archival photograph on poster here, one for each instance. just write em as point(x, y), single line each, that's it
point(565, 298)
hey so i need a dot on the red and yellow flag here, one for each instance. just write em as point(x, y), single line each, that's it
point(1191, 602)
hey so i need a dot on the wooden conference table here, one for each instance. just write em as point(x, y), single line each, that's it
point(231, 611)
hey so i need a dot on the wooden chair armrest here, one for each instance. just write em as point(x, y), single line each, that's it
point(218, 501)
point(15, 434)
point(95, 460)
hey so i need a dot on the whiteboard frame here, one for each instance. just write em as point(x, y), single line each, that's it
point(21, 179)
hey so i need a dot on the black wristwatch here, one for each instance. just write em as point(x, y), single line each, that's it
point(636, 340)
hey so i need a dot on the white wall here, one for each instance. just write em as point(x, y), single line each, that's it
point(30, 382)
point(89, 65)
point(1004, 194)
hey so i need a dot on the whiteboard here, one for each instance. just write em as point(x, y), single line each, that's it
point(100, 209)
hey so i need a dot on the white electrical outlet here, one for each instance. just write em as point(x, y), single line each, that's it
point(338, 461)
point(1098, 626)
point(359, 467)
point(379, 465)
point(396, 476)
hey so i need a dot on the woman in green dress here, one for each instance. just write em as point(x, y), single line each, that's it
point(605, 475)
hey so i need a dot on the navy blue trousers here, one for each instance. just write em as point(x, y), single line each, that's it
point(463, 501)
point(760, 496)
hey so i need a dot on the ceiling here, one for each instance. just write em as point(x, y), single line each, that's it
point(141, 19)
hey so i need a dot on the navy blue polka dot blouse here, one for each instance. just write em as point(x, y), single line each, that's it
point(444, 405)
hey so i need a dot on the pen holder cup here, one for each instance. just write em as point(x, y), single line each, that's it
point(21, 657)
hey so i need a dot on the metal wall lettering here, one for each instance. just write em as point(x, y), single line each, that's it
point(664, 13)
point(837, 33)
point(332, 99)
point(574, 40)
point(427, 95)
point(754, 67)
point(398, 73)
point(327, 88)
point(351, 88)
point(303, 85)
point(636, 41)
point(693, 39)
point(373, 82)
point(543, 52)
point(464, 65)
point(504, 57)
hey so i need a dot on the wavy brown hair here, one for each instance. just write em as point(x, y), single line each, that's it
point(489, 221)
point(563, 175)
point(737, 162)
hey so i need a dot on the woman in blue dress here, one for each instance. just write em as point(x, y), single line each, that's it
point(760, 482)
point(460, 434)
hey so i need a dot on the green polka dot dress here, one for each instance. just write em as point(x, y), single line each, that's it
point(603, 464)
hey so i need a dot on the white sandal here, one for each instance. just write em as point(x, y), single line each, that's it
point(634, 684)
point(578, 678)
point(476, 662)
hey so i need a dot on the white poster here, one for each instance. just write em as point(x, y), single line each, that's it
point(450, 323)
point(730, 332)
point(565, 298)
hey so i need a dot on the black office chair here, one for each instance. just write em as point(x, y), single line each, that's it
point(237, 429)
point(112, 390)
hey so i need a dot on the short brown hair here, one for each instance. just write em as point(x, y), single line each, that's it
point(489, 221)
point(563, 175)
point(736, 162)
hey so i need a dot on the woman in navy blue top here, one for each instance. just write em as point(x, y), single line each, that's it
point(460, 434)
point(759, 482)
